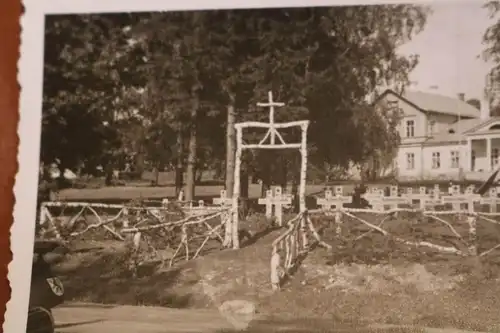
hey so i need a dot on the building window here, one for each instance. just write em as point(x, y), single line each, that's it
point(455, 159)
point(410, 161)
point(436, 160)
point(432, 125)
point(410, 128)
point(494, 157)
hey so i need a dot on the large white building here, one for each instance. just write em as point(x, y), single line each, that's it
point(444, 137)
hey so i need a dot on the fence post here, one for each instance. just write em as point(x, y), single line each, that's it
point(125, 223)
point(278, 208)
point(275, 269)
point(472, 220)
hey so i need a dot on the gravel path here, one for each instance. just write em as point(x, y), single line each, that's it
point(91, 318)
point(95, 318)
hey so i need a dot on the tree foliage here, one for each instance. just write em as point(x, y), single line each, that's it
point(491, 53)
point(88, 68)
point(174, 75)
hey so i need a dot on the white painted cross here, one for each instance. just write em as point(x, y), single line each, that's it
point(338, 200)
point(421, 196)
point(268, 201)
point(375, 197)
point(280, 200)
point(277, 199)
point(271, 104)
point(223, 200)
point(456, 199)
point(492, 200)
point(393, 200)
point(436, 195)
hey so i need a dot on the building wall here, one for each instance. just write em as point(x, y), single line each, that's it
point(409, 113)
point(423, 157)
point(441, 122)
point(402, 163)
point(481, 158)
point(446, 168)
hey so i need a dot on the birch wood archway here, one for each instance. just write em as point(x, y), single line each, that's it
point(271, 140)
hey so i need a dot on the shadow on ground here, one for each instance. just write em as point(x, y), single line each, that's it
point(105, 279)
point(78, 323)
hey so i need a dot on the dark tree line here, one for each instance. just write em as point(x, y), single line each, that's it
point(167, 87)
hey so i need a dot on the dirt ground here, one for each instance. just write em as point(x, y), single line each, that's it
point(371, 280)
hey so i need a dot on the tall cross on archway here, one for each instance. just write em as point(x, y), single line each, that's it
point(271, 104)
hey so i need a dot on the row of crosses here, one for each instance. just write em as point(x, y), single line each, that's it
point(379, 201)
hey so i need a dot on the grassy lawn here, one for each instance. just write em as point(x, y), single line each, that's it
point(135, 192)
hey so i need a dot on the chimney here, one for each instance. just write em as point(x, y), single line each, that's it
point(461, 96)
point(485, 110)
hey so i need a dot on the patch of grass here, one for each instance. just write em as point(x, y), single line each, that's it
point(104, 278)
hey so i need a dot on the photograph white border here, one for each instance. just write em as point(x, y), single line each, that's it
point(30, 78)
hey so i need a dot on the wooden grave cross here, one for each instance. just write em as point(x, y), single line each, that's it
point(277, 199)
point(492, 200)
point(393, 200)
point(456, 199)
point(453, 197)
point(435, 196)
point(421, 196)
point(375, 197)
point(338, 200)
point(268, 201)
point(223, 200)
point(280, 200)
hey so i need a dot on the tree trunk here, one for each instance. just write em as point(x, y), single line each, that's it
point(199, 176)
point(179, 168)
point(109, 174)
point(244, 187)
point(295, 185)
point(157, 174)
point(192, 151)
point(230, 147)
point(139, 162)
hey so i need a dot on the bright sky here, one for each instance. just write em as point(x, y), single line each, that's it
point(448, 49)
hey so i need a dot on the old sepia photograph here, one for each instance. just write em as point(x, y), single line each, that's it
point(286, 169)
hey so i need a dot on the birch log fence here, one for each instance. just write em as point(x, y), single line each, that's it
point(155, 233)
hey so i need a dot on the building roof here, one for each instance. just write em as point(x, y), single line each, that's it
point(465, 125)
point(444, 138)
point(431, 102)
point(457, 131)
